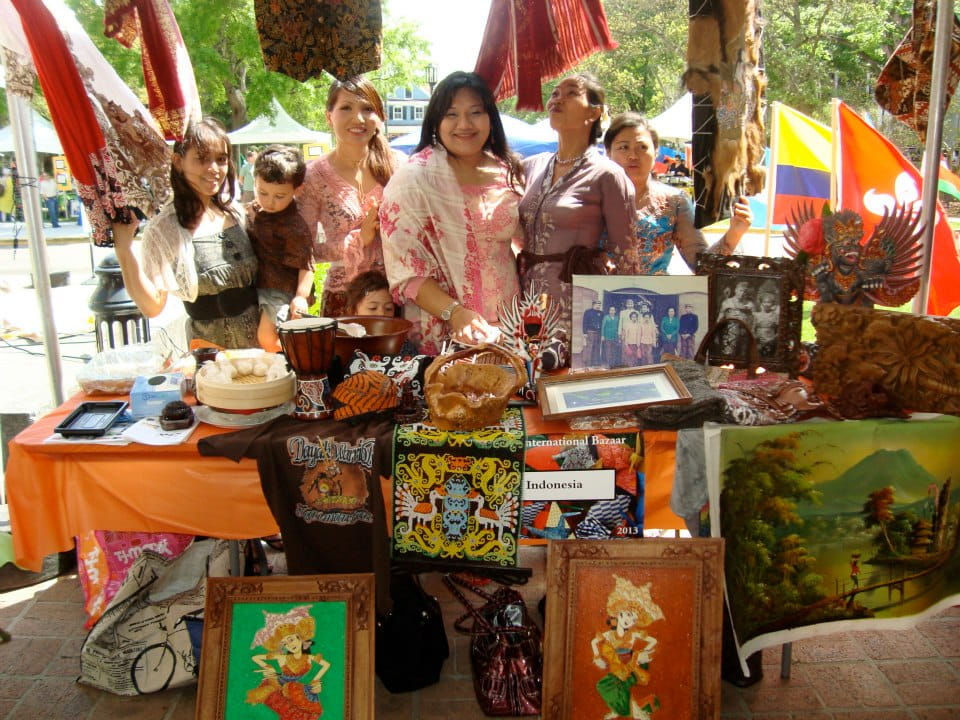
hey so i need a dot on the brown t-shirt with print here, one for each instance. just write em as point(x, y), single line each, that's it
point(321, 480)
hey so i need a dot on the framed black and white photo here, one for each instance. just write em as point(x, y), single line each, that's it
point(766, 294)
point(635, 320)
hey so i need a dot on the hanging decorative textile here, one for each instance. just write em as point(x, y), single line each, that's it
point(528, 41)
point(114, 148)
point(724, 75)
point(167, 71)
point(302, 38)
point(903, 87)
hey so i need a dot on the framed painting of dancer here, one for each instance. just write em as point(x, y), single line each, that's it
point(633, 629)
point(288, 646)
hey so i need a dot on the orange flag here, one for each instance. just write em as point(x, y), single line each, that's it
point(871, 176)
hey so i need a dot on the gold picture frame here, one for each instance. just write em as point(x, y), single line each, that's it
point(606, 391)
point(257, 629)
point(633, 627)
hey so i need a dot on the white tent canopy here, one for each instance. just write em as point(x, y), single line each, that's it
point(676, 122)
point(280, 129)
point(44, 137)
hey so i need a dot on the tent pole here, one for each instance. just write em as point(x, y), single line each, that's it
point(22, 126)
point(943, 39)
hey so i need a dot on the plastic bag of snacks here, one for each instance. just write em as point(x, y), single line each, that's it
point(113, 371)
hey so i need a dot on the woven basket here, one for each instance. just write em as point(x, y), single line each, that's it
point(470, 389)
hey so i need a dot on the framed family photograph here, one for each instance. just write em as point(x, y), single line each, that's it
point(633, 629)
point(766, 294)
point(288, 646)
point(603, 391)
point(631, 320)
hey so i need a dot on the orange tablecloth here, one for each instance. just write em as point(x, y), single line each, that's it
point(57, 491)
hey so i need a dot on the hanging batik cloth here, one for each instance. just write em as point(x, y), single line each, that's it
point(167, 71)
point(528, 41)
point(115, 150)
point(903, 88)
point(456, 494)
point(302, 38)
point(725, 77)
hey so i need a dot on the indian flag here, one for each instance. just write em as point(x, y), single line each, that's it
point(948, 182)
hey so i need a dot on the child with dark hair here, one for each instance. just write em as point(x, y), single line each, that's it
point(369, 294)
point(281, 239)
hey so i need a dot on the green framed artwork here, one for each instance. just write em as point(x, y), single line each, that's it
point(835, 526)
point(295, 646)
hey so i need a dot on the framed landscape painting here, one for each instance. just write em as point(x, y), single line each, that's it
point(288, 646)
point(633, 629)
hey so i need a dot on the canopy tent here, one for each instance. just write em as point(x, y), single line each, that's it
point(44, 137)
point(523, 138)
point(279, 129)
point(675, 123)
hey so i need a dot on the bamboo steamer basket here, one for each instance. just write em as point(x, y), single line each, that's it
point(246, 392)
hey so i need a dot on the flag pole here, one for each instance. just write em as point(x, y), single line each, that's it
point(772, 173)
point(836, 167)
point(943, 40)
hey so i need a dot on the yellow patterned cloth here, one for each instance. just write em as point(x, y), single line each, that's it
point(456, 495)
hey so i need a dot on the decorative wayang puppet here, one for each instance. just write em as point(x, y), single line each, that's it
point(625, 650)
point(290, 687)
point(530, 323)
point(883, 270)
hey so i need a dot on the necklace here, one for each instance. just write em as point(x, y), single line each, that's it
point(568, 161)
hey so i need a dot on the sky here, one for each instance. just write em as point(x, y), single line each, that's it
point(454, 28)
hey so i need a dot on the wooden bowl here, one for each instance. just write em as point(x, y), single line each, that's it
point(385, 336)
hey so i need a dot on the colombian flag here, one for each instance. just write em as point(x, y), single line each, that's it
point(871, 176)
point(801, 149)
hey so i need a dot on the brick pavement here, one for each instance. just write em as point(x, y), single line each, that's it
point(896, 675)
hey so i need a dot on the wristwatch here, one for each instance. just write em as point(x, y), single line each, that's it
point(447, 312)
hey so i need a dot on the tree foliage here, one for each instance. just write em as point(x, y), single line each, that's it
point(233, 83)
point(816, 51)
point(767, 567)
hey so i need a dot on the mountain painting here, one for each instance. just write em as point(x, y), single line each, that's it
point(836, 526)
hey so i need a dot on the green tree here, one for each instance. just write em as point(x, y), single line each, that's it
point(816, 51)
point(877, 513)
point(233, 83)
point(758, 501)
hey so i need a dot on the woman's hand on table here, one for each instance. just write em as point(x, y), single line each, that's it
point(470, 328)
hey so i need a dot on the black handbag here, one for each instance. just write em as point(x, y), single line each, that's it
point(411, 642)
point(506, 654)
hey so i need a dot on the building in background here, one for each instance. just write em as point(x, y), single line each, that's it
point(405, 109)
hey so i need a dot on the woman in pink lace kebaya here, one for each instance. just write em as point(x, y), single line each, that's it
point(449, 217)
point(341, 193)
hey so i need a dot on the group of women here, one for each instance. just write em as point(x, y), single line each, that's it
point(458, 227)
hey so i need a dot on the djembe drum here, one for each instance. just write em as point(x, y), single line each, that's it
point(307, 344)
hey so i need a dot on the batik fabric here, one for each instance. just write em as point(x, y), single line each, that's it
point(456, 494)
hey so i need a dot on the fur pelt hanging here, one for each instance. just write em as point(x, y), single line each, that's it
point(723, 68)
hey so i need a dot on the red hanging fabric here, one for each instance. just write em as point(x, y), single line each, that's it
point(114, 148)
point(167, 71)
point(66, 96)
point(528, 41)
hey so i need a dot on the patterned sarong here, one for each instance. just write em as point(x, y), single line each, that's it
point(456, 495)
